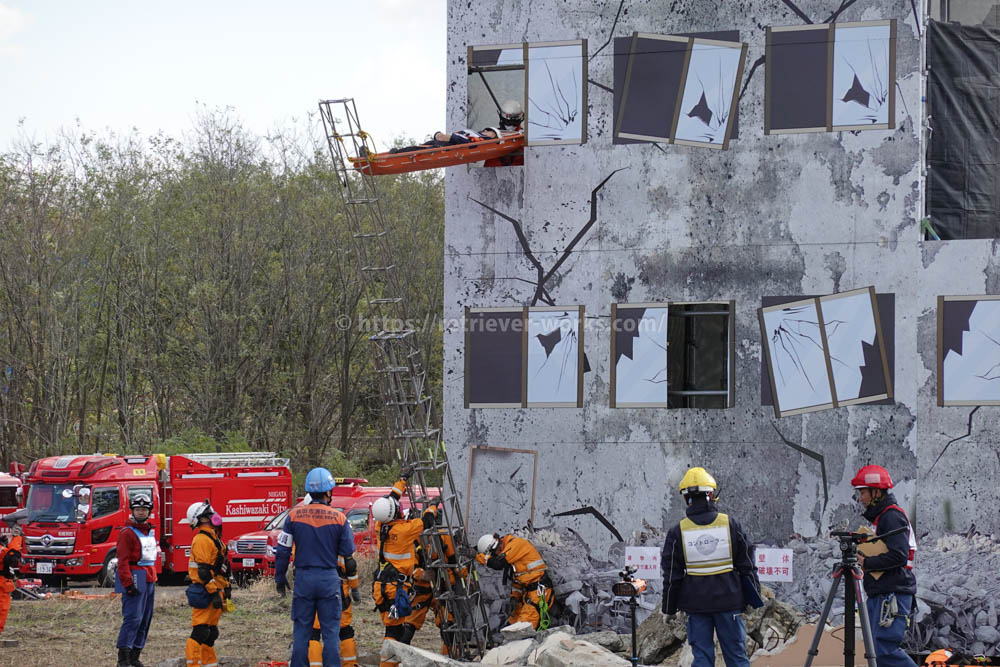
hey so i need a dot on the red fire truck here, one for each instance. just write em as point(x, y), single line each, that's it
point(9, 497)
point(77, 505)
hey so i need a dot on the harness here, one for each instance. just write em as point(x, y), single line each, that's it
point(910, 537)
point(221, 565)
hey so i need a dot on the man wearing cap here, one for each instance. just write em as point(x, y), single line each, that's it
point(708, 572)
point(889, 581)
point(319, 535)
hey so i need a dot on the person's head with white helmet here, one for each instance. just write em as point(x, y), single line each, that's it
point(386, 509)
point(199, 513)
point(487, 544)
point(511, 115)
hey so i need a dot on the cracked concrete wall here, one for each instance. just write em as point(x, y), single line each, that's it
point(772, 216)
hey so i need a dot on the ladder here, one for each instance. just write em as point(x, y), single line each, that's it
point(407, 404)
point(238, 459)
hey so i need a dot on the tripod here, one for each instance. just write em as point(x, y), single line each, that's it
point(630, 587)
point(848, 571)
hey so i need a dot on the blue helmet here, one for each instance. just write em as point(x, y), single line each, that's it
point(319, 480)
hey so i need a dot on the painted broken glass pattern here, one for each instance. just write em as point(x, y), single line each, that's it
point(969, 344)
point(554, 357)
point(640, 356)
point(856, 349)
point(709, 89)
point(797, 357)
point(557, 93)
point(861, 76)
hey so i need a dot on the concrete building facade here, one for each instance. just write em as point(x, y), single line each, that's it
point(775, 215)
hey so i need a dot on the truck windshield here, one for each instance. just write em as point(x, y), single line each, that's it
point(48, 502)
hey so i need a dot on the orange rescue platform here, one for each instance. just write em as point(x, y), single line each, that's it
point(378, 164)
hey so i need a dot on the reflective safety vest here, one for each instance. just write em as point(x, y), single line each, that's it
point(911, 537)
point(708, 549)
point(148, 545)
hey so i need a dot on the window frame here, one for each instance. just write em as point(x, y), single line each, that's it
point(730, 391)
point(93, 500)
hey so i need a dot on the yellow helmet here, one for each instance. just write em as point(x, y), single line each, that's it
point(695, 480)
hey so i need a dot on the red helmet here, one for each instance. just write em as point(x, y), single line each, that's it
point(872, 477)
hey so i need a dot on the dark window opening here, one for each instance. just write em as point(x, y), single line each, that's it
point(105, 501)
point(699, 365)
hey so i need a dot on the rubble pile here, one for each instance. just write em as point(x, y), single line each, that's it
point(958, 591)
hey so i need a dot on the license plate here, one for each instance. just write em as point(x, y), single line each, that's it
point(43, 568)
point(249, 562)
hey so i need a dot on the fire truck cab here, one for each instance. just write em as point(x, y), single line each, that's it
point(77, 505)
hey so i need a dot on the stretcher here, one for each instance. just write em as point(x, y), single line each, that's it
point(490, 151)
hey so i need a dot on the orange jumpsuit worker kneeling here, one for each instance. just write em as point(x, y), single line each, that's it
point(10, 558)
point(397, 560)
point(348, 647)
point(209, 567)
point(519, 560)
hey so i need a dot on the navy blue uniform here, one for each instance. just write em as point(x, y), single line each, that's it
point(320, 534)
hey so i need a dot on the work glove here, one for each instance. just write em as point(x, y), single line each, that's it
point(217, 601)
point(356, 594)
point(406, 472)
point(132, 590)
point(282, 587)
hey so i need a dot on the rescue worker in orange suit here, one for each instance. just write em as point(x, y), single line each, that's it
point(709, 572)
point(348, 647)
point(210, 567)
point(520, 562)
point(320, 535)
point(392, 589)
point(890, 596)
point(10, 559)
point(136, 580)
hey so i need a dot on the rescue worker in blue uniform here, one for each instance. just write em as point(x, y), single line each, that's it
point(707, 561)
point(319, 534)
point(136, 580)
point(890, 594)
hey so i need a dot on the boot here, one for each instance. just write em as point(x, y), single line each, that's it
point(133, 657)
point(123, 658)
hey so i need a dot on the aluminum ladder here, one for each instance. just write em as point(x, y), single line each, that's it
point(408, 407)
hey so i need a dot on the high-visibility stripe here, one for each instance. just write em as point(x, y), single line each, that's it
point(354, 578)
point(392, 556)
point(348, 657)
point(534, 564)
point(192, 563)
point(702, 571)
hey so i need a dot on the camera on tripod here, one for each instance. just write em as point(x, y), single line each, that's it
point(629, 584)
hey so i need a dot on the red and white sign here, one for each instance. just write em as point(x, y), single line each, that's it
point(774, 564)
point(646, 559)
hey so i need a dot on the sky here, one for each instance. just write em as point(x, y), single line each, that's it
point(118, 65)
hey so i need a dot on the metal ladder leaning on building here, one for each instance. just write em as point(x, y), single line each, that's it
point(407, 404)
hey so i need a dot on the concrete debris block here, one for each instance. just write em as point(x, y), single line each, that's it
point(659, 635)
point(514, 653)
point(574, 600)
point(519, 630)
point(563, 650)
point(610, 640)
point(987, 634)
point(568, 587)
point(411, 656)
point(933, 597)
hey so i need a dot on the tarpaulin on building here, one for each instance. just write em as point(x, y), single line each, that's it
point(963, 154)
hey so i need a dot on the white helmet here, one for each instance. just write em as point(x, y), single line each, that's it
point(487, 543)
point(495, 130)
point(197, 510)
point(385, 508)
point(511, 113)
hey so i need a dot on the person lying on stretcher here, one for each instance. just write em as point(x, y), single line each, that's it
point(441, 139)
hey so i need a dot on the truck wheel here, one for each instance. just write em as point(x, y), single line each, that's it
point(106, 577)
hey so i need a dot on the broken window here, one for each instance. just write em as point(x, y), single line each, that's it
point(496, 74)
point(638, 355)
point(823, 78)
point(680, 89)
point(556, 109)
point(507, 476)
point(494, 357)
point(825, 352)
point(701, 363)
point(554, 364)
point(969, 350)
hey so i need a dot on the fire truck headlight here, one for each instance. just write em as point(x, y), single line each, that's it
point(231, 546)
point(73, 562)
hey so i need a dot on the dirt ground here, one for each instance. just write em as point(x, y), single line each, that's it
point(65, 631)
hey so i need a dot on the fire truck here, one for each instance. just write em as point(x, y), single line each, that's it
point(77, 505)
point(10, 487)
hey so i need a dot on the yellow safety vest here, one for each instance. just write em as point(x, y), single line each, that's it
point(708, 549)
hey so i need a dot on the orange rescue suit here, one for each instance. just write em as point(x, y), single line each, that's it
point(10, 557)
point(521, 561)
point(206, 566)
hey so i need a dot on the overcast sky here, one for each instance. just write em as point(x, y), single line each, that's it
point(120, 64)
